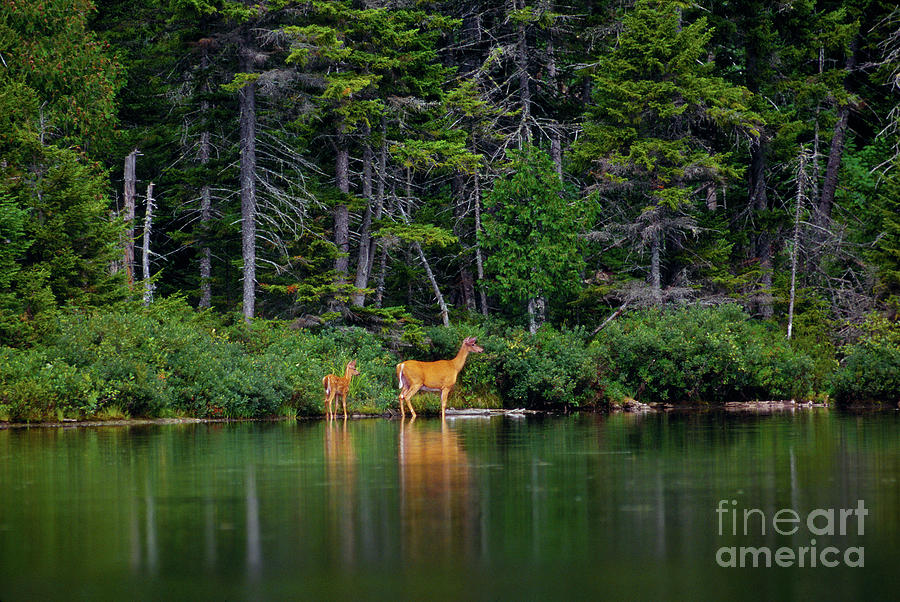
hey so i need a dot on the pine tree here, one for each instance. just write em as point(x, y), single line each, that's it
point(352, 60)
point(533, 232)
point(57, 88)
point(648, 136)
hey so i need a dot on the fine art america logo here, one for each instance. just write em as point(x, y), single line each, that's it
point(819, 522)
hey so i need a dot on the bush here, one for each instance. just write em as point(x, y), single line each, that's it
point(35, 387)
point(550, 368)
point(304, 359)
point(701, 355)
point(169, 359)
point(870, 370)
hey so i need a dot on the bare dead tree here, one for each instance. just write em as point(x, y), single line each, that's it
point(145, 251)
point(802, 179)
point(129, 196)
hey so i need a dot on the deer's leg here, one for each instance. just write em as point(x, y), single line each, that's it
point(407, 395)
point(444, 394)
point(329, 411)
point(343, 403)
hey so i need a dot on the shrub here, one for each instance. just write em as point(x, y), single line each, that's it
point(481, 375)
point(304, 359)
point(700, 354)
point(552, 367)
point(870, 370)
point(34, 386)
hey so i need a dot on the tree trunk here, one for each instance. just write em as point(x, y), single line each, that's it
point(342, 217)
point(763, 243)
point(814, 180)
point(247, 101)
point(205, 196)
point(758, 199)
point(479, 260)
point(467, 284)
point(524, 82)
point(382, 258)
point(145, 252)
point(445, 314)
point(829, 186)
point(555, 137)
point(712, 201)
point(130, 187)
point(379, 194)
point(363, 261)
point(382, 269)
point(801, 194)
point(655, 279)
point(536, 313)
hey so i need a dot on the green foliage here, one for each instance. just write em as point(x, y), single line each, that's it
point(240, 81)
point(51, 55)
point(426, 234)
point(428, 154)
point(701, 355)
point(303, 359)
point(63, 250)
point(57, 89)
point(648, 92)
point(35, 386)
point(15, 242)
point(870, 370)
point(532, 231)
point(551, 369)
point(171, 360)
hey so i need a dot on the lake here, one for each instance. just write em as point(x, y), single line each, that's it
point(652, 506)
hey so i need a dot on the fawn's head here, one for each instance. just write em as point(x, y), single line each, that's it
point(351, 368)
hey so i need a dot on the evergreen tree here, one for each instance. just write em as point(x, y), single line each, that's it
point(649, 136)
point(533, 232)
point(57, 108)
point(353, 60)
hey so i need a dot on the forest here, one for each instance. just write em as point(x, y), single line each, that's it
point(208, 205)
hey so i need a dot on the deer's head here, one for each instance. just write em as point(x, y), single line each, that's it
point(472, 346)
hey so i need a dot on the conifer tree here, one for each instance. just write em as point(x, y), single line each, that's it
point(57, 112)
point(533, 233)
point(648, 135)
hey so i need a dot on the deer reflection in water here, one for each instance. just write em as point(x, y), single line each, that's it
point(340, 473)
point(438, 508)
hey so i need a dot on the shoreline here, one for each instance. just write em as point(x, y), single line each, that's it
point(757, 407)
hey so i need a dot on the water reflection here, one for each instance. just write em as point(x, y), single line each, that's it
point(254, 549)
point(144, 550)
point(539, 508)
point(438, 503)
point(341, 479)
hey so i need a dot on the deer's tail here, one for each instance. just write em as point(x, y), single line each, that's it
point(400, 376)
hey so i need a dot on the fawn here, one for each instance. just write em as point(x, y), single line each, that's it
point(335, 386)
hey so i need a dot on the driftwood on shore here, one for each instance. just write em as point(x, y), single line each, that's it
point(490, 412)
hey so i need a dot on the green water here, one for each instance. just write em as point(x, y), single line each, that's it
point(576, 507)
